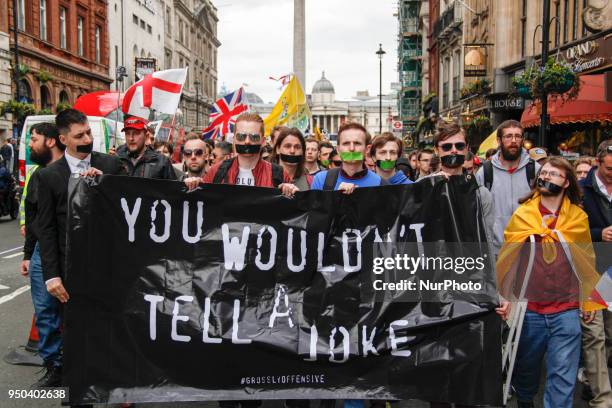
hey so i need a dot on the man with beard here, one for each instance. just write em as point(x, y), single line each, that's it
point(195, 157)
point(45, 148)
point(556, 276)
point(509, 175)
point(139, 159)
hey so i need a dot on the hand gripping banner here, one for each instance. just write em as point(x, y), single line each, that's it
point(238, 293)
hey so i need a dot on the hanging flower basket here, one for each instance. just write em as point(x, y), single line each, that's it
point(18, 109)
point(557, 79)
point(44, 77)
point(522, 83)
point(62, 106)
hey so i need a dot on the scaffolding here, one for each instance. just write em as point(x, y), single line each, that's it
point(410, 62)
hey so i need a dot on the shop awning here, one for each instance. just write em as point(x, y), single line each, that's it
point(590, 106)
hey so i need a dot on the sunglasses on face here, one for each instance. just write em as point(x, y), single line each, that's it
point(241, 137)
point(197, 152)
point(447, 147)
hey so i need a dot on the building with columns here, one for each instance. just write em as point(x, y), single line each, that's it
point(328, 113)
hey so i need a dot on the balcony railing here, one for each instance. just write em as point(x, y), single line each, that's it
point(450, 19)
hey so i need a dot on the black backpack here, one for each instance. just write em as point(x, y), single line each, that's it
point(331, 178)
point(221, 174)
point(487, 169)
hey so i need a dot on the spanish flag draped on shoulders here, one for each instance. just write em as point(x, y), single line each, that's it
point(569, 233)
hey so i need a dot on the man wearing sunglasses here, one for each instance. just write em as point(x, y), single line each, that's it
point(247, 168)
point(195, 157)
point(509, 176)
point(139, 159)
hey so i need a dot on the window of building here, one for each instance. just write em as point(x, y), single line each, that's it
point(21, 15)
point(168, 20)
point(445, 75)
point(80, 36)
point(456, 75)
point(62, 18)
point(523, 27)
point(575, 20)
point(98, 34)
point(135, 19)
point(43, 19)
point(143, 25)
point(149, 30)
point(181, 33)
point(116, 56)
point(565, 20)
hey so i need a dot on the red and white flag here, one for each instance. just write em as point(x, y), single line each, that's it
point(160, 91)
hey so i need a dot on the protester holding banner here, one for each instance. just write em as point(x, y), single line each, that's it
point(557, 276)
point(45, 148)
point(312, 156)
point(289, 153)
point(597, 203)
point(247, 168)
point(166, 149)
point(78, 158)
point(385, 150)
point(353, 140)
point(139, 159)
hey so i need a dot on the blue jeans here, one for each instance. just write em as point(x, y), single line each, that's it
point(558, 336)
point(47, 311)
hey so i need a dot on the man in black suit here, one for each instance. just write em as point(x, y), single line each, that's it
point(79, 159)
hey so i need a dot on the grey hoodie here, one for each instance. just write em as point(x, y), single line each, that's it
point(507, 190)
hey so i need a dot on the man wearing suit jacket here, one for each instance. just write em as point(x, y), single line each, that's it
point(79, 159)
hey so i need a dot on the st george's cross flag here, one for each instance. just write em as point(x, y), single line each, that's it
point(223, 114)
point(602, 293)
point(159, 91)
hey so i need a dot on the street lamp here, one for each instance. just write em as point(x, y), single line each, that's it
point(380, 54)
point(197, 87)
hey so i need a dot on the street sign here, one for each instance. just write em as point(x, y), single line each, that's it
point(397, 125)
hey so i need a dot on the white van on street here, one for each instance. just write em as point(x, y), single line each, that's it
point(102, 129)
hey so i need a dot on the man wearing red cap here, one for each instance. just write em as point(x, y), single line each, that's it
point(139, 159)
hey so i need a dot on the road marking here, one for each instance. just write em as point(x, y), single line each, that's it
point(10, 250)
point(2, 287)
point(13, 255)
point(13, 295)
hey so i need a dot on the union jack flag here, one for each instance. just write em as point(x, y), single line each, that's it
point(223, 115)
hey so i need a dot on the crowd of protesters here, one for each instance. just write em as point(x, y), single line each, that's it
point(520, 194)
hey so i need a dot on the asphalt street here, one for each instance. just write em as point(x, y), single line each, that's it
point(16, 314)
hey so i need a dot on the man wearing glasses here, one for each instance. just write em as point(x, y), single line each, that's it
point(247, 168)
point(195, 157)
point(139, 159)
point(509, 176)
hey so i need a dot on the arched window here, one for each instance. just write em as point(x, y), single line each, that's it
point(25, 92)
point(45, 98)
point(63, 97)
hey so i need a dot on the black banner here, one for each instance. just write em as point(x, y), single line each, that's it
point(238, 293)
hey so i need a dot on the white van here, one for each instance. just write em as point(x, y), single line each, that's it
point(102, 129)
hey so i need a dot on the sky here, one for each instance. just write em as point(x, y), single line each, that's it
point(342, 37)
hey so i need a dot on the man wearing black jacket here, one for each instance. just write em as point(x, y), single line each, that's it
point(45, 148)
point(139, 159)
point(78, 160)
point(597, 203)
